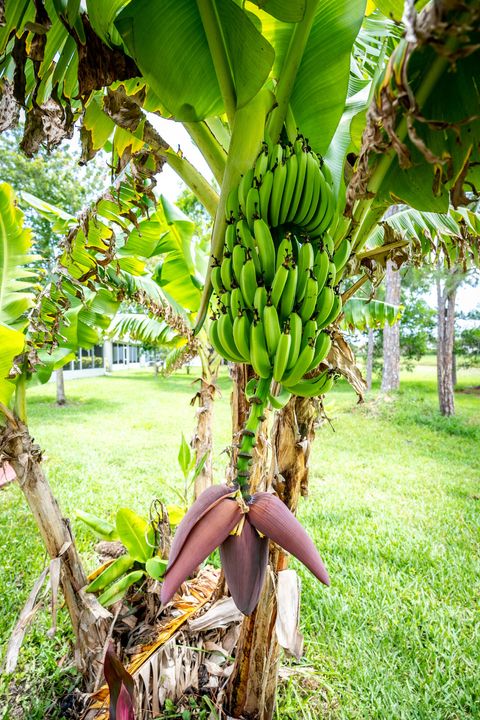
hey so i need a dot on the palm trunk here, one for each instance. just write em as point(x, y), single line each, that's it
point(445, 341)
point(252, 686)
point(391, 334)
point(370, 350)
point(202, 441)
point(61, 397)
point(89, 619)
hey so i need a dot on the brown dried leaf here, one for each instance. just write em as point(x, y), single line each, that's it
point(342, 358)
point(16, 638)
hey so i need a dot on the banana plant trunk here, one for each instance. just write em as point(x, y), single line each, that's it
point(202, 441)
point(89, 619)
point(252, 686)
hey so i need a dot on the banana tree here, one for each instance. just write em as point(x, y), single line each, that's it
point(282, 138)
point(25, 314)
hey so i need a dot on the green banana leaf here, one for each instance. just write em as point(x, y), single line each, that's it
point(143, 328)
point(457, 233)
point(16, 282)
point(451, 105)
point(321, 85)
point(168, 42)
point(359, 314)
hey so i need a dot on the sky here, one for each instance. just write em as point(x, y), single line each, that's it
point(171, 186)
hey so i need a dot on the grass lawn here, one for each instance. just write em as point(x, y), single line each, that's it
point(394, 509)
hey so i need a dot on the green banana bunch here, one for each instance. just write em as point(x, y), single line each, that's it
point(275, 290)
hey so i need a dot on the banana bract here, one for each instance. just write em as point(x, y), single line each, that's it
point(221, 518)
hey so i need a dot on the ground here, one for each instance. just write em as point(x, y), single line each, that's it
point(394, 509)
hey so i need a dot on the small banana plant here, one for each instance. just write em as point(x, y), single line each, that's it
point(141, 559)
point(121, 687)
point(241, 527)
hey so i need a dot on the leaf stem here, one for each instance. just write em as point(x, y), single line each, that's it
point(209, 146)
point(291, 64)
point(21, 398)
point(216, 43)
point(193, 178)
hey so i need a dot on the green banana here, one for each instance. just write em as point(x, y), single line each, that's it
point(239, 257)
point(251, 388)
point(225, 335)
point(324, 305)
point(308, 305)
point(252, 206)
point(264, 192)
point(279, 401)
point(320, 268)
point(332, 273)
point(313, 386)
point(248, 282)
point(284, 251)
point(308, 187)
point(266, 249)
point(302, 162)
point(276, 156)
point(333, 314)
point(231, 205)
point(226, 272)
point(279, 179)
point(316, 199)
point(295, 325)
point(261, 165)
point(237, 303)
point(271, 326)
point(260, 300)
point(309, 334)
point(328, 244)
point(241, 336)
point(243, 188)
point(323, 344)
point(217, 279)
point(342, 254)
point(316, 219)
point(230, 237)
point(306, 259)
point(281, 356)
point(245, 238)
point(289, 189)
point(216, 343)
point(278, 284)
point(301, 366)
point(290, 290)
point(258, 350)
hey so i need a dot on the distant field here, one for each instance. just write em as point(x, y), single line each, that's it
point(393, 507)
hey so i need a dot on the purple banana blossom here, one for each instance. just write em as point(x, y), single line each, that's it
point(210, 522)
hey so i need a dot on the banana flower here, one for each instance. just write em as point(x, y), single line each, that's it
point(220, 517)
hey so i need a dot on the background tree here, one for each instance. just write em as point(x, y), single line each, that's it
point(391, 333)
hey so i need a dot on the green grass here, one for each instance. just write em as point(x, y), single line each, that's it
point(393, 508)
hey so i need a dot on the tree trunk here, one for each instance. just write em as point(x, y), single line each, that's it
point(454, 370)
point(90, 620)
point(61, 397)
point(252, 686)
point(202, 441)
point(370, 350)
point(391, 334)
point(445, 340)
